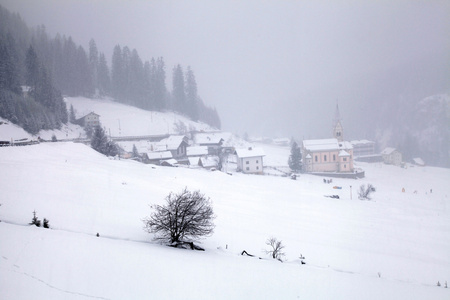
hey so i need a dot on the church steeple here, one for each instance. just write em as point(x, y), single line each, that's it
point(338, 130)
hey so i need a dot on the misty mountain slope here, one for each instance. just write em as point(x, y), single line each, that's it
point(421, 129)
point(393, 247)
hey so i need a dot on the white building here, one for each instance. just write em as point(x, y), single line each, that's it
point(392, 156)
point(250, 160)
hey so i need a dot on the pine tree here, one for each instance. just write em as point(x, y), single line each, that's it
point(32, 68)
point(191, 95)
point(93, 63)
point(72, 117)
point(99, 140)
point(35, 220)
point(295, 157)
point(104, 80)
point(178, 91)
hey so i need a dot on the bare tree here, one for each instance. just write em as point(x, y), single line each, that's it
point(365, 193)
point(276, 249)
point(185, 216)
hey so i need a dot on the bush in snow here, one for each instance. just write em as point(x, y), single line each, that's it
point(365, 193)
point(35, 220)
point(185, 216)
point(276, 249)
point(46, 225)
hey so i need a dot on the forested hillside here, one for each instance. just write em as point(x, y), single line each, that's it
point(49, 67)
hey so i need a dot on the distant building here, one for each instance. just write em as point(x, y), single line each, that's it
point(250, 160)
point(418, 161)
point(176, 144)
point(392, 156)
point(327, 155)
point(213, 141)
point(90, 120)
point(363, 148)
point(156, 158)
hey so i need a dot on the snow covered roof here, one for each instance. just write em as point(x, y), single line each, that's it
point(418, 161)
point(250, 152)
point(197, 150)
point(171, 143)
point(159, 155)
point(208, 138)
point(343, 153)
point(193, 160)
point(319, 145)
point(361, 142)
point(345, 145)
point(209, 162)
point(388, 151)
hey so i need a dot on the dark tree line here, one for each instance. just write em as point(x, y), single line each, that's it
point(55, 66)
point(41, 105)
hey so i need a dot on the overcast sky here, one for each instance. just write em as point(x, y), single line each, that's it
point(271, 67)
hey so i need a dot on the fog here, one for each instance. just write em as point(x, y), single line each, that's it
point(274, 68)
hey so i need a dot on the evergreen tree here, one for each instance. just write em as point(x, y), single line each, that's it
point(104, 80)
point(117, 74)
point(72, 117)
point(178, 91)
point(295, 157)
point(9, 65)
point(99, 140)
point(32, 68)
point(160, 90)
point(93, 63)
point(191, 95)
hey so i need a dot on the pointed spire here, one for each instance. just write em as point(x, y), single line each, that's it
point(337, 115)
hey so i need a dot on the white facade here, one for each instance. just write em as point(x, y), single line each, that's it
point(250, 160)
point(392, 156)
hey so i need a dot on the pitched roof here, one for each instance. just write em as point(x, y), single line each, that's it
point(388, 151)
point(249, 152)
point(319, 145)
point(171, 143)
point(159, 155)
point(196, 150)
point(343, 153)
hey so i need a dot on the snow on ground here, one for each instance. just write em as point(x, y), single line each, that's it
point(393, 247)
point(10, 131)
point(123, 120)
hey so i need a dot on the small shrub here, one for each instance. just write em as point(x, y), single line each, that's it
point(365, 193)
point(35, 221)
point(276, 249)
point(46, 225)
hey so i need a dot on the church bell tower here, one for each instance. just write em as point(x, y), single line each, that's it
point(338, 130)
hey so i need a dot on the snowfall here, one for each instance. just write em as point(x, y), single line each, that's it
point(395, 246)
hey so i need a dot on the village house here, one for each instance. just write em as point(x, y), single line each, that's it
point(156, 158)
point(363, 148)
point(212, 141)
point(250, 160)
point(392, 156)
point(176, 144)
point(90, 120)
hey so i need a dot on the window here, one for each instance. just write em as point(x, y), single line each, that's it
point(257, 168)
point(345, 166)
point(325, 158)
point(334, 157)
point(345, 158)
point(257, 161)
point(247, 168)
point(315, 158)
point(247, 162)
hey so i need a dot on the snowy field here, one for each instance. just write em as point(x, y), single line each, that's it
point(394, 247)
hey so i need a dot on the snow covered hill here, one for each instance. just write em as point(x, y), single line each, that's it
point(393, 247)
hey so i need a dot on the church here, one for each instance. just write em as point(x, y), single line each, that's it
point(332, 155)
